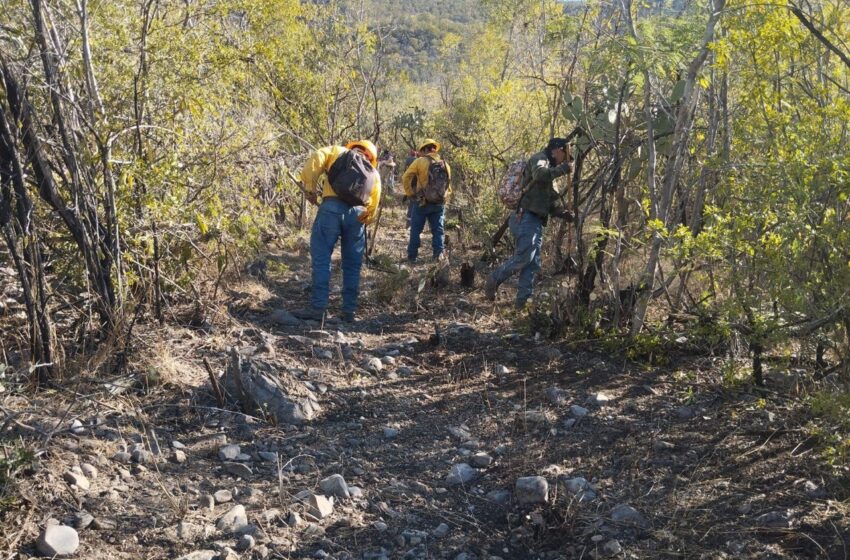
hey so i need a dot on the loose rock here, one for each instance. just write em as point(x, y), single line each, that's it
point(189, 532)
point(335, 485)
point(625, 514)
point(82, 519)
point(556, 396)
point(775, 519)
point(268, 456)
point(612, 548)
point(373, 365)
point(238, 470)
point(233, 521)
point(142, 456)
point(481, 460)
point(179, 456)
point(501, 497)
point(390, 433)
point(461, 474)
point(599, 399)
point(207, 502)
point(245, 542)
point(578, 411)
point(532, 490)
point(90, 471)
point(58, 540)
point(580, 488)
point(441, 531)
point(229, 452)
point(200, 555)
point(320, 506)
point(223, 496)
point(122, 457)
point(77, 479)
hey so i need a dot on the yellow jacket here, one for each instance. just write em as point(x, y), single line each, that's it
point(315, 172)
point(419, 170)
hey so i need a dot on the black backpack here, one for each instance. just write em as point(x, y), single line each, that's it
point(438, 183)
point(352, 178)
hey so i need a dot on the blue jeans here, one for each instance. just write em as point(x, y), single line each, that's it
point(527, 229)
point(435, 215)
point(336, 220)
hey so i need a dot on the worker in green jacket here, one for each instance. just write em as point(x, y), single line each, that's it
point(540, 200)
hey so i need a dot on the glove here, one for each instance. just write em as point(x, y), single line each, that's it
point(364, 218)
point(564, 214)
point(312, 197)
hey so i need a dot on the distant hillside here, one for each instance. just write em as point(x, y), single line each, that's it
point(416, 30)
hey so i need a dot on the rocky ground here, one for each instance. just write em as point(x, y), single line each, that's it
point(442, 431)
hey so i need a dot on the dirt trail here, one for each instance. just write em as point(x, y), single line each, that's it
point(639, 461)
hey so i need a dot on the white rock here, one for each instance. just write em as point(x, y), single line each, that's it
point(229, 452)
point(200, 555)
point(320, 506)
point(77, 479)
point(461, 474)
point(89, 470)
point(233, 521)
point(77, 428)
point(223, 496)
point(58, 540)
point(599, 399)
point(373, 365)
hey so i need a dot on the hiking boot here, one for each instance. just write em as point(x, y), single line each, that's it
point(520, 304)
point(309, 314)
point(348, 317)
point(490, 287)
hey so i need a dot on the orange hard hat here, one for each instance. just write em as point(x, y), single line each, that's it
point(367, 147)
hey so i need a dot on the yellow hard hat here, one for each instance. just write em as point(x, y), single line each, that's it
point(368, 146)
point(429, 142)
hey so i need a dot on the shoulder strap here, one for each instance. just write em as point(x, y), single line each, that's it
point(526, 187)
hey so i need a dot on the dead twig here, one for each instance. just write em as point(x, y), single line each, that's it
point(216, 386)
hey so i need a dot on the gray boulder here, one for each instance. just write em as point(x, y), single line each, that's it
point(265, 390)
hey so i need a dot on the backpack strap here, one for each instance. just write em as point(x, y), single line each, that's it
point(526, 187)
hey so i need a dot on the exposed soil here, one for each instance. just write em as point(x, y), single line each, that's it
point(709, 470)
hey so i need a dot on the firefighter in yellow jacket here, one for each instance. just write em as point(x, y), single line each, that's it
point(349, 186)
point(427, 183)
